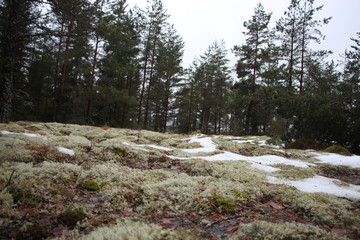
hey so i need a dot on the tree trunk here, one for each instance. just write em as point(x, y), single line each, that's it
point(255, 60)
point(92, 81)
point(248, 116)
point(302, 52)
point(9, 66)
point(291, 62)
point(141, 97)
point(60, 90)
point(166, 104)
point(151, 80)
point(189, 110)
point(207, 111)
point(57, 70)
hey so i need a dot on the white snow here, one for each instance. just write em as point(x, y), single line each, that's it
point(160, 147)
point(6, 132)
point(243, 141)
point(264, 168)
point(321, 184)
point(336, 159)
point(66, 151)
point(140, 146)
point(31, 135)
point(206, 143)
point(25, 134)
point(259, 162)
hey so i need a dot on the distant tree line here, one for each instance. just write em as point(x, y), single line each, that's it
point(101, 63)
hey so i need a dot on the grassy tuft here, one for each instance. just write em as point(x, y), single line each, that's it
point(70, 216)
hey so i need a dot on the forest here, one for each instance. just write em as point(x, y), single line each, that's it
point(102, 63)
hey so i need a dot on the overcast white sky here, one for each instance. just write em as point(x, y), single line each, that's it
point(201, 22)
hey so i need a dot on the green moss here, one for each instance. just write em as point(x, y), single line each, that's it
point(221, 204)
point(240, 195)
point(91, 185)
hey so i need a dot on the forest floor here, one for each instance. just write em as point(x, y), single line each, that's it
point(65, 181)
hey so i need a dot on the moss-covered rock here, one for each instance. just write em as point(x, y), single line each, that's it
point(337, 149)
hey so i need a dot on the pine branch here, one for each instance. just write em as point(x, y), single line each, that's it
point(8, 183)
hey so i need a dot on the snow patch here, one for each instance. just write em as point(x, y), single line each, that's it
point(140, 146)
point(258, 162)
point(66, 151)
point(206, 143)
point(25, 134)
point(160, 147)
point(244, 141)
point(338, 160)
point(319, 184)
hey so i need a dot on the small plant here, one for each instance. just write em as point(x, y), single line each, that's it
point(70, 216)
point(91, 186)
point(33, 232)
point(40, 152)
point(240, 195)
point(195, 132)
point(221, 204)
point(24, 195)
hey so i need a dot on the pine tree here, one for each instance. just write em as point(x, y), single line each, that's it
point(296, 30)
point(169, 71)
point(289, 30)
point(119, 78)
point(350, 90)
point(153, 27)
point(17, 16)
point(203, 98)
point(253, 66)
point(72, 27)
point(252, 53)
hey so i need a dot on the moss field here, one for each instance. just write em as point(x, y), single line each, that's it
point(116, 186)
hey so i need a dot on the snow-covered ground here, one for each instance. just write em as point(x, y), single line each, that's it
point(338, 160)
point(264, 163)
point(314, 184)
point(25, 134)
point(207, 145)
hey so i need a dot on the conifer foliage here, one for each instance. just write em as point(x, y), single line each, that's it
point(101, 62)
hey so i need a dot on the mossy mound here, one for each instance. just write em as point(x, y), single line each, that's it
point(296, 231)
point(305, 143)
point(128, 189)
point(337, 149)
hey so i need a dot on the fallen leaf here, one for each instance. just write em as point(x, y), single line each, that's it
point(169, 214)
point(232, 229)
point(94, 200)
point(127, 213)
point(44, 221)
point(175, 168)
point(59, 230)
point(275, 205)
point(339, 231)
point(202, 188)
point(166, 221)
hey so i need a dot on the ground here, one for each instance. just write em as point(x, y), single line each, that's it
point(64, 181)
